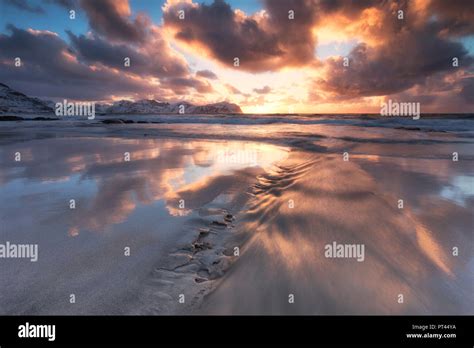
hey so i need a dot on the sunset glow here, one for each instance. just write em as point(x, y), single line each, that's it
point(291, 57)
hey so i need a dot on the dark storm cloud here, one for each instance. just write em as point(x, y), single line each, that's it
point(456, 17)
point(265, 43)
point(407, 52)
point(467, 91)
point(24, 5)
point(403, 61)
point(95, 49)
point(49, 69)
point(442, 93)
point(392, 56)
point(294, 36)
point(150, 55)
point(350, 8)
point(259, 47)
point(208, 74)
point(182, 85)
point(43, 48)
point(410, 51)
point(157, 63)
point(110, 19)
point(87, 69)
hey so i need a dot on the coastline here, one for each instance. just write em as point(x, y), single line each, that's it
point(281, 249)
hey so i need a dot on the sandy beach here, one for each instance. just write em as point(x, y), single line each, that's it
point(260, 172)
point(232, 216)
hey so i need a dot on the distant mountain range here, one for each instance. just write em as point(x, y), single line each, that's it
point(14, 102)
point(147, 106)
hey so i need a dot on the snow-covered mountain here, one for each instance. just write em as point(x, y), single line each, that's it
point(13, 102)
point(155, 107)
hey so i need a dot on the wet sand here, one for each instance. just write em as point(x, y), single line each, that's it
point(236, 183)
point(407, 251)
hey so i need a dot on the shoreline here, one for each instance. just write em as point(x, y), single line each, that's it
point(281, 249)
point(286, 249)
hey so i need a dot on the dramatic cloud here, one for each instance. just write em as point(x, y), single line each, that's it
point(406, 52)
point(442, 92)
point(111, 19)
point(393, 54)
point(455, 17)
point(261, 42)
point(207, 74)
point(467, 91)
point(99, 60)
point(180, 85)
point(405, 60)
point(283, 35)
point(154, 58)
point(277, 49)
point(49, 69)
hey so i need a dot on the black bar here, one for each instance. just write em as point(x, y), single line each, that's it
point(289, 330)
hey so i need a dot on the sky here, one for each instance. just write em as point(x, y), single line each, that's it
point(294, 56)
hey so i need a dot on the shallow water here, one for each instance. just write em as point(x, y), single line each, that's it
point(408, 250)
point(136, 204)
point(118, 204)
